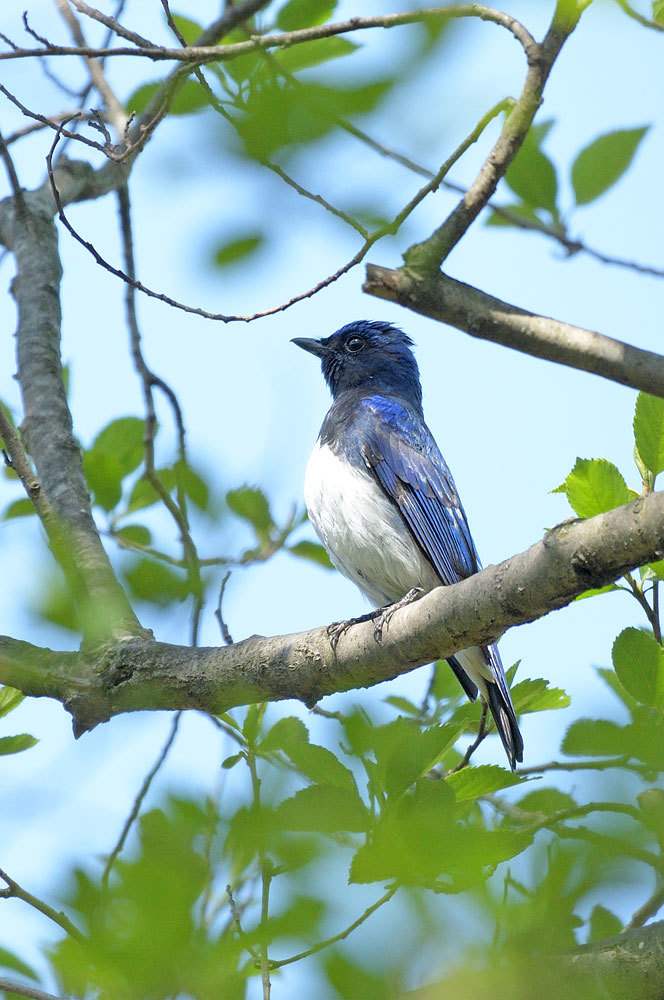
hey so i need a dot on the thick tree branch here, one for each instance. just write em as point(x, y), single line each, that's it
point(47, 427)
point(142, 674)
point(449, 301)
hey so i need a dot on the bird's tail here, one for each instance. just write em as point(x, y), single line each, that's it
point(482, 664)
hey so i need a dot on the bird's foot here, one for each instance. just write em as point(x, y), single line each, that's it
point(337, 629)
point(381, 618)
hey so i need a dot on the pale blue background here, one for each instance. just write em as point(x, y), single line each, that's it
point(509, 425)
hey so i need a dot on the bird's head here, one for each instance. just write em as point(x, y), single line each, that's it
point(367, 354)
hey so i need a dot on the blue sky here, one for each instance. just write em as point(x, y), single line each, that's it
point(510, 426)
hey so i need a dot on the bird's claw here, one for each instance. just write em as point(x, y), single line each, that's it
point(380, 618)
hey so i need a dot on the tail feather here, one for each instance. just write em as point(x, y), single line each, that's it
point(481, 667)
point(505, 718)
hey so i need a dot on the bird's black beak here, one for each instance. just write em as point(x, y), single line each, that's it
point(312, 346)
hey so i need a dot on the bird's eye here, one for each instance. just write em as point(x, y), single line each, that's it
point(355, 344)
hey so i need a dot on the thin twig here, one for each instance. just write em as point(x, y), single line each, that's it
point(342, 934)
point(223, 627)
point(586, 765)
point(138, 801)
point(15, 891)
point(203, 52)
point(482, 733)
point(8, 986)
point(651, 906)
point(20, 205)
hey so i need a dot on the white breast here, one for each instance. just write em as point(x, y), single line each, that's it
point(362, 530)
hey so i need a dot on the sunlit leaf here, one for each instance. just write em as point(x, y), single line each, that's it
point(414, 752)
point(10, 699)
point(594, 486)
point(313, 53)
point(472, 782)
point(319, 765)
point(103, 474)
point(638, 660)
point(123, 440)
point(535, 695)
point(649, 431)
point(324, 809)
point(603, 923)
point(251, 504)
point(311, 551)
point(599, 165)
point(532, 176)
point(10, 961)
point(236, 249)
point(253, 720)
point(190, 30)
point(593, 737)
point(546, 800)
point(18, 508)
point(304, 14)
point(149, 580)
point(284, 733)
point(136, 533)
point(15, 744)
point(188, 98)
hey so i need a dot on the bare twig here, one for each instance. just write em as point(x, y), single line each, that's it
point(112, 24)
point(649, 909)
point(19, 198)
point(20, 989)
point(138, 801)
point(203, 51)
point(114, 108)
point(223, 627)
point(482, 733)
point(342, 934)
point(14, 891)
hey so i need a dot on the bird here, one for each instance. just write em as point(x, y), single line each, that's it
point(382, 500)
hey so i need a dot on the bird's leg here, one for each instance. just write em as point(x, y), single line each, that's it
point(381, 618)
point(337, 629)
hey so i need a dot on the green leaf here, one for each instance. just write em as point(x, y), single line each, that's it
point(285, 732)
point(402, 705)
point(658, 11)
point(151, 581)
point(414, 753)
point(320, 765)
point(123, 439)
point(649, 431)
point(313, 53)
point(15, 744)
point(546, 800)
point(472, 782)
point(312, 551)
point(231, 761)
point(237, 249)
point(253, 720)
point(10, 699)
point(190, 30)
point(193, 484)
point(10, 961)
point(600, 164)
point(521, 210)
point(143, 493)
point(137, 533)
point(19, 508)
point(532, 176)
point(251, 504)
point(593, 738)
point(638, 660)
point(596, 591)
point(594, 486)
point(603, 924)
point(103, 474)
point(536, 696)
point(189, 98)
point(324, 809)
point(304, 14)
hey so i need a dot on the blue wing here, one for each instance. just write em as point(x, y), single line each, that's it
point(408, 464)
